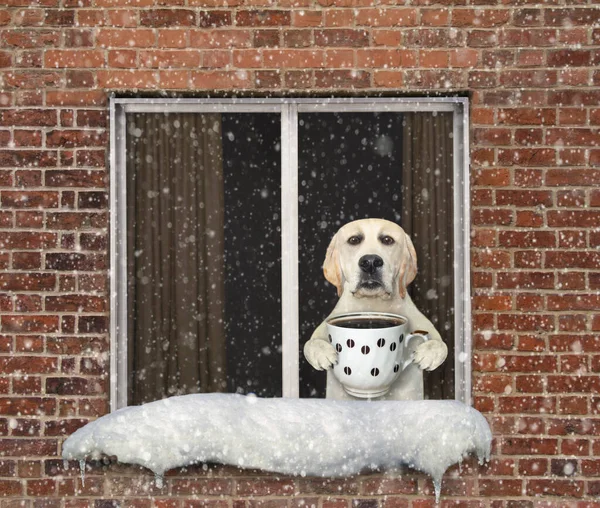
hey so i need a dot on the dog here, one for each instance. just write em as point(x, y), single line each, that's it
point(371, 262)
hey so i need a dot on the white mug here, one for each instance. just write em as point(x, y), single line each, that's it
point(371, 348)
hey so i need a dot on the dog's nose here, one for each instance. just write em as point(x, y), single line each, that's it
point(370, 263)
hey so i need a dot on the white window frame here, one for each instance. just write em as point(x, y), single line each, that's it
point(288, 108)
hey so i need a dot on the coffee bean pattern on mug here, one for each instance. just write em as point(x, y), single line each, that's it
point(371, 351)
point(365, 350)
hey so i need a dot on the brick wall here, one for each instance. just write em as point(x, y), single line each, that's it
point(530, 69)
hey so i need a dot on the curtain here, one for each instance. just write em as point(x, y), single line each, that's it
point(175, 216)
point(427, 209)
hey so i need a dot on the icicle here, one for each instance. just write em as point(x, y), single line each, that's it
point(437, 485)
point(82, 470)
point(158, 480)
point(483, 455)
point(460, 461)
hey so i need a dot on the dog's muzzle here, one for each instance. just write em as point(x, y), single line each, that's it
point(370, 263)
point(370, 275)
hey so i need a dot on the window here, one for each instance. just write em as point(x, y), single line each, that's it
point(221, 212)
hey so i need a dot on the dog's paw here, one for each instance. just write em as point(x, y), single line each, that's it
point(320, 354)
point(431, 354)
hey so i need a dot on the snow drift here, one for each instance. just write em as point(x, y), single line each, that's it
point(313, 437)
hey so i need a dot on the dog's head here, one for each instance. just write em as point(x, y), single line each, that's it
point(371, 258)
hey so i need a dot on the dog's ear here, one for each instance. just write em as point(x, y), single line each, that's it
point(408, 266)
point(331, 267)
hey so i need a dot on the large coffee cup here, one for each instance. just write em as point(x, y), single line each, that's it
point(372, 350)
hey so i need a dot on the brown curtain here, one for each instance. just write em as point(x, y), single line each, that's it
point(427, 211)
point(175, 218)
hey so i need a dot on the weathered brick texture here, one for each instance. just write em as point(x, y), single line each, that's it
point(531, 71)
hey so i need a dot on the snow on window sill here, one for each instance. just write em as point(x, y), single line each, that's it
point(299, 437)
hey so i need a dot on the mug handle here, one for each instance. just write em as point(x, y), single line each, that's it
point(420, 334)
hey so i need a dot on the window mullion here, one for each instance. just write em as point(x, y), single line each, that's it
point(289, 249)
point(118, 270)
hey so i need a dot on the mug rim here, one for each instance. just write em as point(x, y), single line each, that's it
point(367, 315)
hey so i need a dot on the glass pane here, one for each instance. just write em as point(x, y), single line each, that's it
point(252, 148)
point(204, 283)
point(359, 165)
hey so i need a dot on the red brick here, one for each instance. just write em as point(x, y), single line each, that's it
point(338, 37)
point(555, 487)
point(167, 17)
point(169, 59)
point(27, 260)
point(529, 446)
point(434, 37)
point(342, 79)
point(93, 324)
point(531, 343)
point(529, 384)
point(578, 447)
point(127, 79)
point(529, 219)
point(573, 405)
point(385, 58)
point(73, 58)
point(27, 406)
point(29, 447)
point(75, 261)
point(491, 259)
point(494, 341)
point(75, 303)
point(215, 39)
point(491, 177)
point(563, 259)
point(172, 38)
point(257, 18)
point(501, 488)
point(75, 178)
point(525, 322)
point(74, 386)
point(527, 156)
point(76, 98)
point(27, 281)
point(291, 38)
point(385, 37)
point(526, 280)
point(374, 17)
point(533, 467)
point(572, 323)
point(527, 116)
point(11, 488)
point(527, 239)
point(557, 17)
point(125, 38)
point(214, 18)
point(293, 58)
point(338, 17)
point(570, 384)
point(572, 426)
point(572, 218)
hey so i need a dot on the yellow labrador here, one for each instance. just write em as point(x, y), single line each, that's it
point(371, 261)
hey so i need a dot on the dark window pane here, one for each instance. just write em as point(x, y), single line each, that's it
point(395, 166)
point(251, 147)
point(350, 167)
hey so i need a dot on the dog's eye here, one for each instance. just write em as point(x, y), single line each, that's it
point(386, 240)
point(355, 240)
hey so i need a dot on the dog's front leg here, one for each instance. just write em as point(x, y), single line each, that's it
point(431, 354)
point(318, 350)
